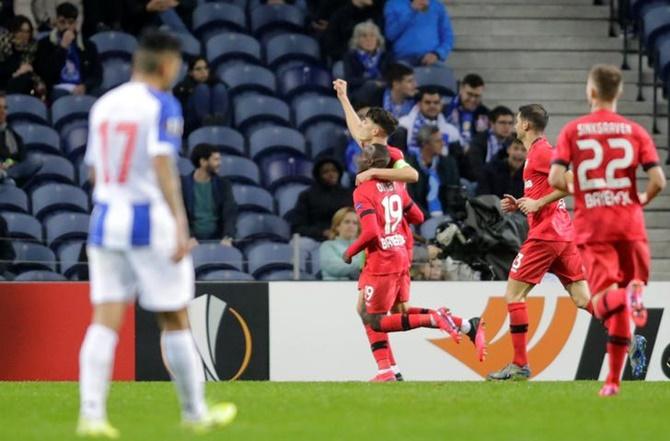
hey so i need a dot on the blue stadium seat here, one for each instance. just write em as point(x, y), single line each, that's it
point(286, 48)
point(39, 138)
point(230, 48)
point(310, 110)
point(227, 140)
point(326, 138)
point(54, 169)
point(287, 196)
point(23, 226)
point(282, 171)
point(26, 109)
point(274, 140)
point(70, 265)
point(251, 226)
point(441, 78)
point(115, 73)
point(272, 256)
point(338, 70)
point(225, 276)
point(184, 166)
point(74, 142)
point(50, 198)
point(210, 19)
point(13, 198)
point(269, 19)
point(190, 46)
point(33, 256)
point(40, 276)
point(114, 45)
point(287, 275)
point(304, 79)
point(315, 263)
point(252, 198)
point(214, 256)
point(65, 227)
point(239, 169)
point(248, 78)
point(255, 110)
point(71, 108)
point(430, 225)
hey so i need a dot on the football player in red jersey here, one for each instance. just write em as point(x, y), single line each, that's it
point(605, 150)
point(381, 207)
point(549, 246)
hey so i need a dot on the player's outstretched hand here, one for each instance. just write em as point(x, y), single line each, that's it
point(528, 205)
point(508, 203)
point(346, 258)
point(340, 87)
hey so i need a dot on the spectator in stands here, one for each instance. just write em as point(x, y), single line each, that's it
point(203, 98)
point(44, 12)
point(492, 143)
point(7, 253)
point(316, 205)
point(13, 161)
point(439, 179)
point(419, 30)
point(466, 110)
point(67, 63)
point(208, 198)
point(345, 229)
point(17, 54)
point(504, 175)
point(366, 60)
point(343, 21)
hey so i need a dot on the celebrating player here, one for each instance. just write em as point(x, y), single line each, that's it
point(549, 246)
point(605, 150)
point(138, 238)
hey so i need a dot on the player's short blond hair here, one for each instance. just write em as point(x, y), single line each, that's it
point(338, 218)
point(607, 80)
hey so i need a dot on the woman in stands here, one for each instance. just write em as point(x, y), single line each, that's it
point(17, 53)
point(367, 59)
point(345, 229)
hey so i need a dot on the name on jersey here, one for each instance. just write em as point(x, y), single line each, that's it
point(607, 198)
point(397, 240)
point(604, 128)
point(384, 187)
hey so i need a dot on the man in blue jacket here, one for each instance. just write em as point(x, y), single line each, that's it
point(419, 30)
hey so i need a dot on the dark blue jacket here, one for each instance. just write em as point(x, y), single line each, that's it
point(226, 207)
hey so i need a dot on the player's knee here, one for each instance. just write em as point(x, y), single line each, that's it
point(173, 320)
point(513, 296)
point(373, 320)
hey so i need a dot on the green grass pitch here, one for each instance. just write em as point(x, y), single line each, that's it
point(410, 411)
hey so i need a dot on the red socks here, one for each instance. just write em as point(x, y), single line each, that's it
point(618, 330)
point(518, 328)
point(609, 303)
point(404, 322)
point(380, 347)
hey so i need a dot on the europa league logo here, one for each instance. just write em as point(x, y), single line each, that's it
point(206, 314)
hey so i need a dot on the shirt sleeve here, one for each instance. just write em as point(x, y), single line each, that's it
point(397, 158)
point(165, 137)
point(648, 155)
point(368, 218)
point(562, 152)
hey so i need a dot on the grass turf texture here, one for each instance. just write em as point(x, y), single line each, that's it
point(356, 411)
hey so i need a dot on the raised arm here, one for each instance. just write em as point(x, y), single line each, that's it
point(353, 121)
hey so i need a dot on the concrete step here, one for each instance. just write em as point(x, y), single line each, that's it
point(556, 91)
point(532, 59)
point(530, 27)
point(657, 219)
point(538, 11)
point(660, 249)
point(661, 266)
point(535, 75)
point(538, 42)
point(569, 107)
point(659, 276)
point(658, 234)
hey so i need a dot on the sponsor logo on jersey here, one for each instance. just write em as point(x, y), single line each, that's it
point(397, 240)
point(607, 198)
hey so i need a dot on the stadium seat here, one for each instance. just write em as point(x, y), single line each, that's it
point(115, 73)
point(50, 198)
point(287, 196)
point(338, 70)
point(33, 256)
point(256, 110)
point(441, 78)
point(65, 227)
point(230, 48)
point(310, 110)
point(239, 169)
point(225, 276)
point(23, 226)
point(210, 19)
point(190, 46)
point(274, 140)
point(184, 166)
point(25, 109)
point(315, 263)
point(252, 198)
point(430, 225)
point(326, 138)
point(113, 45)
point(310, 248)
point(291, 48)
point(287, 275)
point(214, 256)
point(662, 58)
point(304, 79)
point(70, 108)
point(74, 142)
point(282, 171)
point(227, 140)
point(248, 78)
point(69, 259)
point(272, 256)
point(251, 226)
point(267, 20)
point(40, 276)
point(12, 198)
point(38, 138)
point(54, 169)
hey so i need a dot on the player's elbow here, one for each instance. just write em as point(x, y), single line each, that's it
point(557, 179)
point(412, 175)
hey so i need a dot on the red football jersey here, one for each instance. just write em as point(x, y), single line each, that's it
point(397, 155)
point(605, 150)
point(381, 207)
point(552, 222)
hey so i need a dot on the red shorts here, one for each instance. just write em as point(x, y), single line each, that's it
point(618, 263)
point(382, 291)
point(537, 257)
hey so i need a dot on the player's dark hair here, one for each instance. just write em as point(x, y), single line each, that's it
point(607, 80)
point(499, 111)
point(193, 61)
point(67, 10)
point(516, 141)
point(536, 115)
point(425, 132)
point(383, 119)
point(428, 90)
point(473, 80)
point(397, 72)
point(380, 156)
point(153, 45)
point(202, 151)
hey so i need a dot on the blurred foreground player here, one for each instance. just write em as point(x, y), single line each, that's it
point(138, 241)
point(605, 150)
